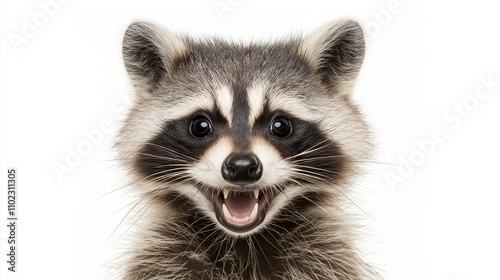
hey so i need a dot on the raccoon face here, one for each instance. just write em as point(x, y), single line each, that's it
point(243, 133)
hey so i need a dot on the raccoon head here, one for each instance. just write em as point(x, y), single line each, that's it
point(243, 132)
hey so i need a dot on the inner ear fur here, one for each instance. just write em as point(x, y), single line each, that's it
point(335, 51)
point(149, 52)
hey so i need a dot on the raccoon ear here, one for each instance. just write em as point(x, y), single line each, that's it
point(148, 53)
point(335, 51)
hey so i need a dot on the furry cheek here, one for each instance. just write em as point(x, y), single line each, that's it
point(276, 170)
point(207, 170)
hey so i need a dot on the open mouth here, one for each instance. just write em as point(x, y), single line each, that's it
point(241, 211)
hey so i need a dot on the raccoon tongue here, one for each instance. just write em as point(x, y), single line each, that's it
point(240, 205)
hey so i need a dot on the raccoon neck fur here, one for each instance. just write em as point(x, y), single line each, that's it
point(314, 244)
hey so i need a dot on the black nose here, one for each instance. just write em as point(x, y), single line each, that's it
point(242, 169)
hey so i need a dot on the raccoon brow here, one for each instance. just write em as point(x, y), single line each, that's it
point(214, 115)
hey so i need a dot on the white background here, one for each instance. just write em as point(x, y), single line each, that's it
point(65, 79)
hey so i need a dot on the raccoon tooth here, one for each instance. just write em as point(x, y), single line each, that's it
point(227, 215)
point(241, 220)
point(253, 215)
point(256, 193)
point(226, 193)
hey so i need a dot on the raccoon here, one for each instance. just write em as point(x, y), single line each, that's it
point(241, 154)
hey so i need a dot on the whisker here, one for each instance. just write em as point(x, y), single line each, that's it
point(166, 149)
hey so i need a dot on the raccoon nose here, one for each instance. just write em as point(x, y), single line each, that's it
point(242, 169)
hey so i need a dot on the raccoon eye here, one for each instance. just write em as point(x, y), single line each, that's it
point(200, 127)
point(281, 127)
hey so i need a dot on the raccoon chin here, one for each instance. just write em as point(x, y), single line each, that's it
point(241, 211)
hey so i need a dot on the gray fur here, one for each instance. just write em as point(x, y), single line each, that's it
point(311, 78)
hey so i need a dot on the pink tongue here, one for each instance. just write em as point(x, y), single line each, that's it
point(240, 205)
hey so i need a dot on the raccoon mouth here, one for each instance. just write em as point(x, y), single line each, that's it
point(241, 211)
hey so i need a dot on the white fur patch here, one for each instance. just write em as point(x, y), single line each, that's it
point(288, 103)
point(224, 101)
point(256, 101)
point(208, 169)
point(274, 168)
point(258, 96)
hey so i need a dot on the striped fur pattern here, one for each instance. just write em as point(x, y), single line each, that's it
point(285, 103)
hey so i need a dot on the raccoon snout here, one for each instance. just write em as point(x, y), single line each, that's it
point(242, 169)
